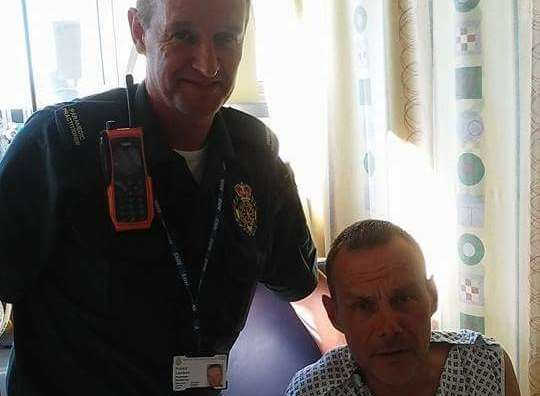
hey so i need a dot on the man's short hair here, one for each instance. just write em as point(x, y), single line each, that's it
point(363, 235)
point(146, 7)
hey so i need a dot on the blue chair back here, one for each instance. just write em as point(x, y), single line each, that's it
point(273, 346)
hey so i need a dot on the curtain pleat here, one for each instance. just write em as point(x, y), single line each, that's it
point(534, 191)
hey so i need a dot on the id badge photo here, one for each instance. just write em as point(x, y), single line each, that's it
point(199, 372)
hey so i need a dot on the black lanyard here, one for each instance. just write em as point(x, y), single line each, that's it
point(181, 269)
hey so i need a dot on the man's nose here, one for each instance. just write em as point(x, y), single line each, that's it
point(205, 60)
point(388, 323)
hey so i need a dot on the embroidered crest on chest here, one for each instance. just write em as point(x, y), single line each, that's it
point(245, 208)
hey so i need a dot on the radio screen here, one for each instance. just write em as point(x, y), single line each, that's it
point(129, 179)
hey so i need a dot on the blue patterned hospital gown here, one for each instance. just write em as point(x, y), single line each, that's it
point(474, 366)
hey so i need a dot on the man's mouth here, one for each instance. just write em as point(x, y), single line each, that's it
point(392, 351)
point(202, 83)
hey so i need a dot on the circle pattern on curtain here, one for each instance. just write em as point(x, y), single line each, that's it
point(471, 249)
point(360, 19)
point(466, 5)
point(470, 126)
point(471, 169)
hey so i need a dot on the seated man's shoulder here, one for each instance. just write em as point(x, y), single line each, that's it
point(474, 359)
point(324, 377)
point(471, 342)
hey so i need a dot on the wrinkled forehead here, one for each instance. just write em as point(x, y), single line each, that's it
point(392, 264)
point(226, 11)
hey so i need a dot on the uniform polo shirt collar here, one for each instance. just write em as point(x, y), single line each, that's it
point(218, 142)
point(219, 138)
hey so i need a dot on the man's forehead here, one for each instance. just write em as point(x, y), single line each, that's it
point(393, 281)
point(186, 7)
point(391, 261)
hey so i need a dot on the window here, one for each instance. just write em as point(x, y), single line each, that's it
point(66, 51)
point(14, 85)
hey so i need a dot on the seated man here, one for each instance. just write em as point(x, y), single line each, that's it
point(381, 299)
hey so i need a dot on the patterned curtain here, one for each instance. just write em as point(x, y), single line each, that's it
point(410, 71)
point(470, 153)
point(534, 196)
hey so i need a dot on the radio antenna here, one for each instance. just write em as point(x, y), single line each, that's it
point(129, 93)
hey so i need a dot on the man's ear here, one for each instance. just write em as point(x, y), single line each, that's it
point(137, 31)
point(432, 291)
point(331, 310)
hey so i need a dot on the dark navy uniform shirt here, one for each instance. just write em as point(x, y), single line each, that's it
point(98, 312)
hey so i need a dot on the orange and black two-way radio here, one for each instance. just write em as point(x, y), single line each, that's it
point(129, 186)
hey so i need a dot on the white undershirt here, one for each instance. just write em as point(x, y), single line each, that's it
point(196, 161)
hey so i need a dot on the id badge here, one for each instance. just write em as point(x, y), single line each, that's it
point(199, 372)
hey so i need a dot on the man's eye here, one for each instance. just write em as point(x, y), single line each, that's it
point(364, 306)
point(225, 38)
point(404, 299)
point(185, 36)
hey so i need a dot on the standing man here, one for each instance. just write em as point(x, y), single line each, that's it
point(99, 311)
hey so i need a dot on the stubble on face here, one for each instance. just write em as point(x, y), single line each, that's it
point(181, 35)
point(382, 285)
